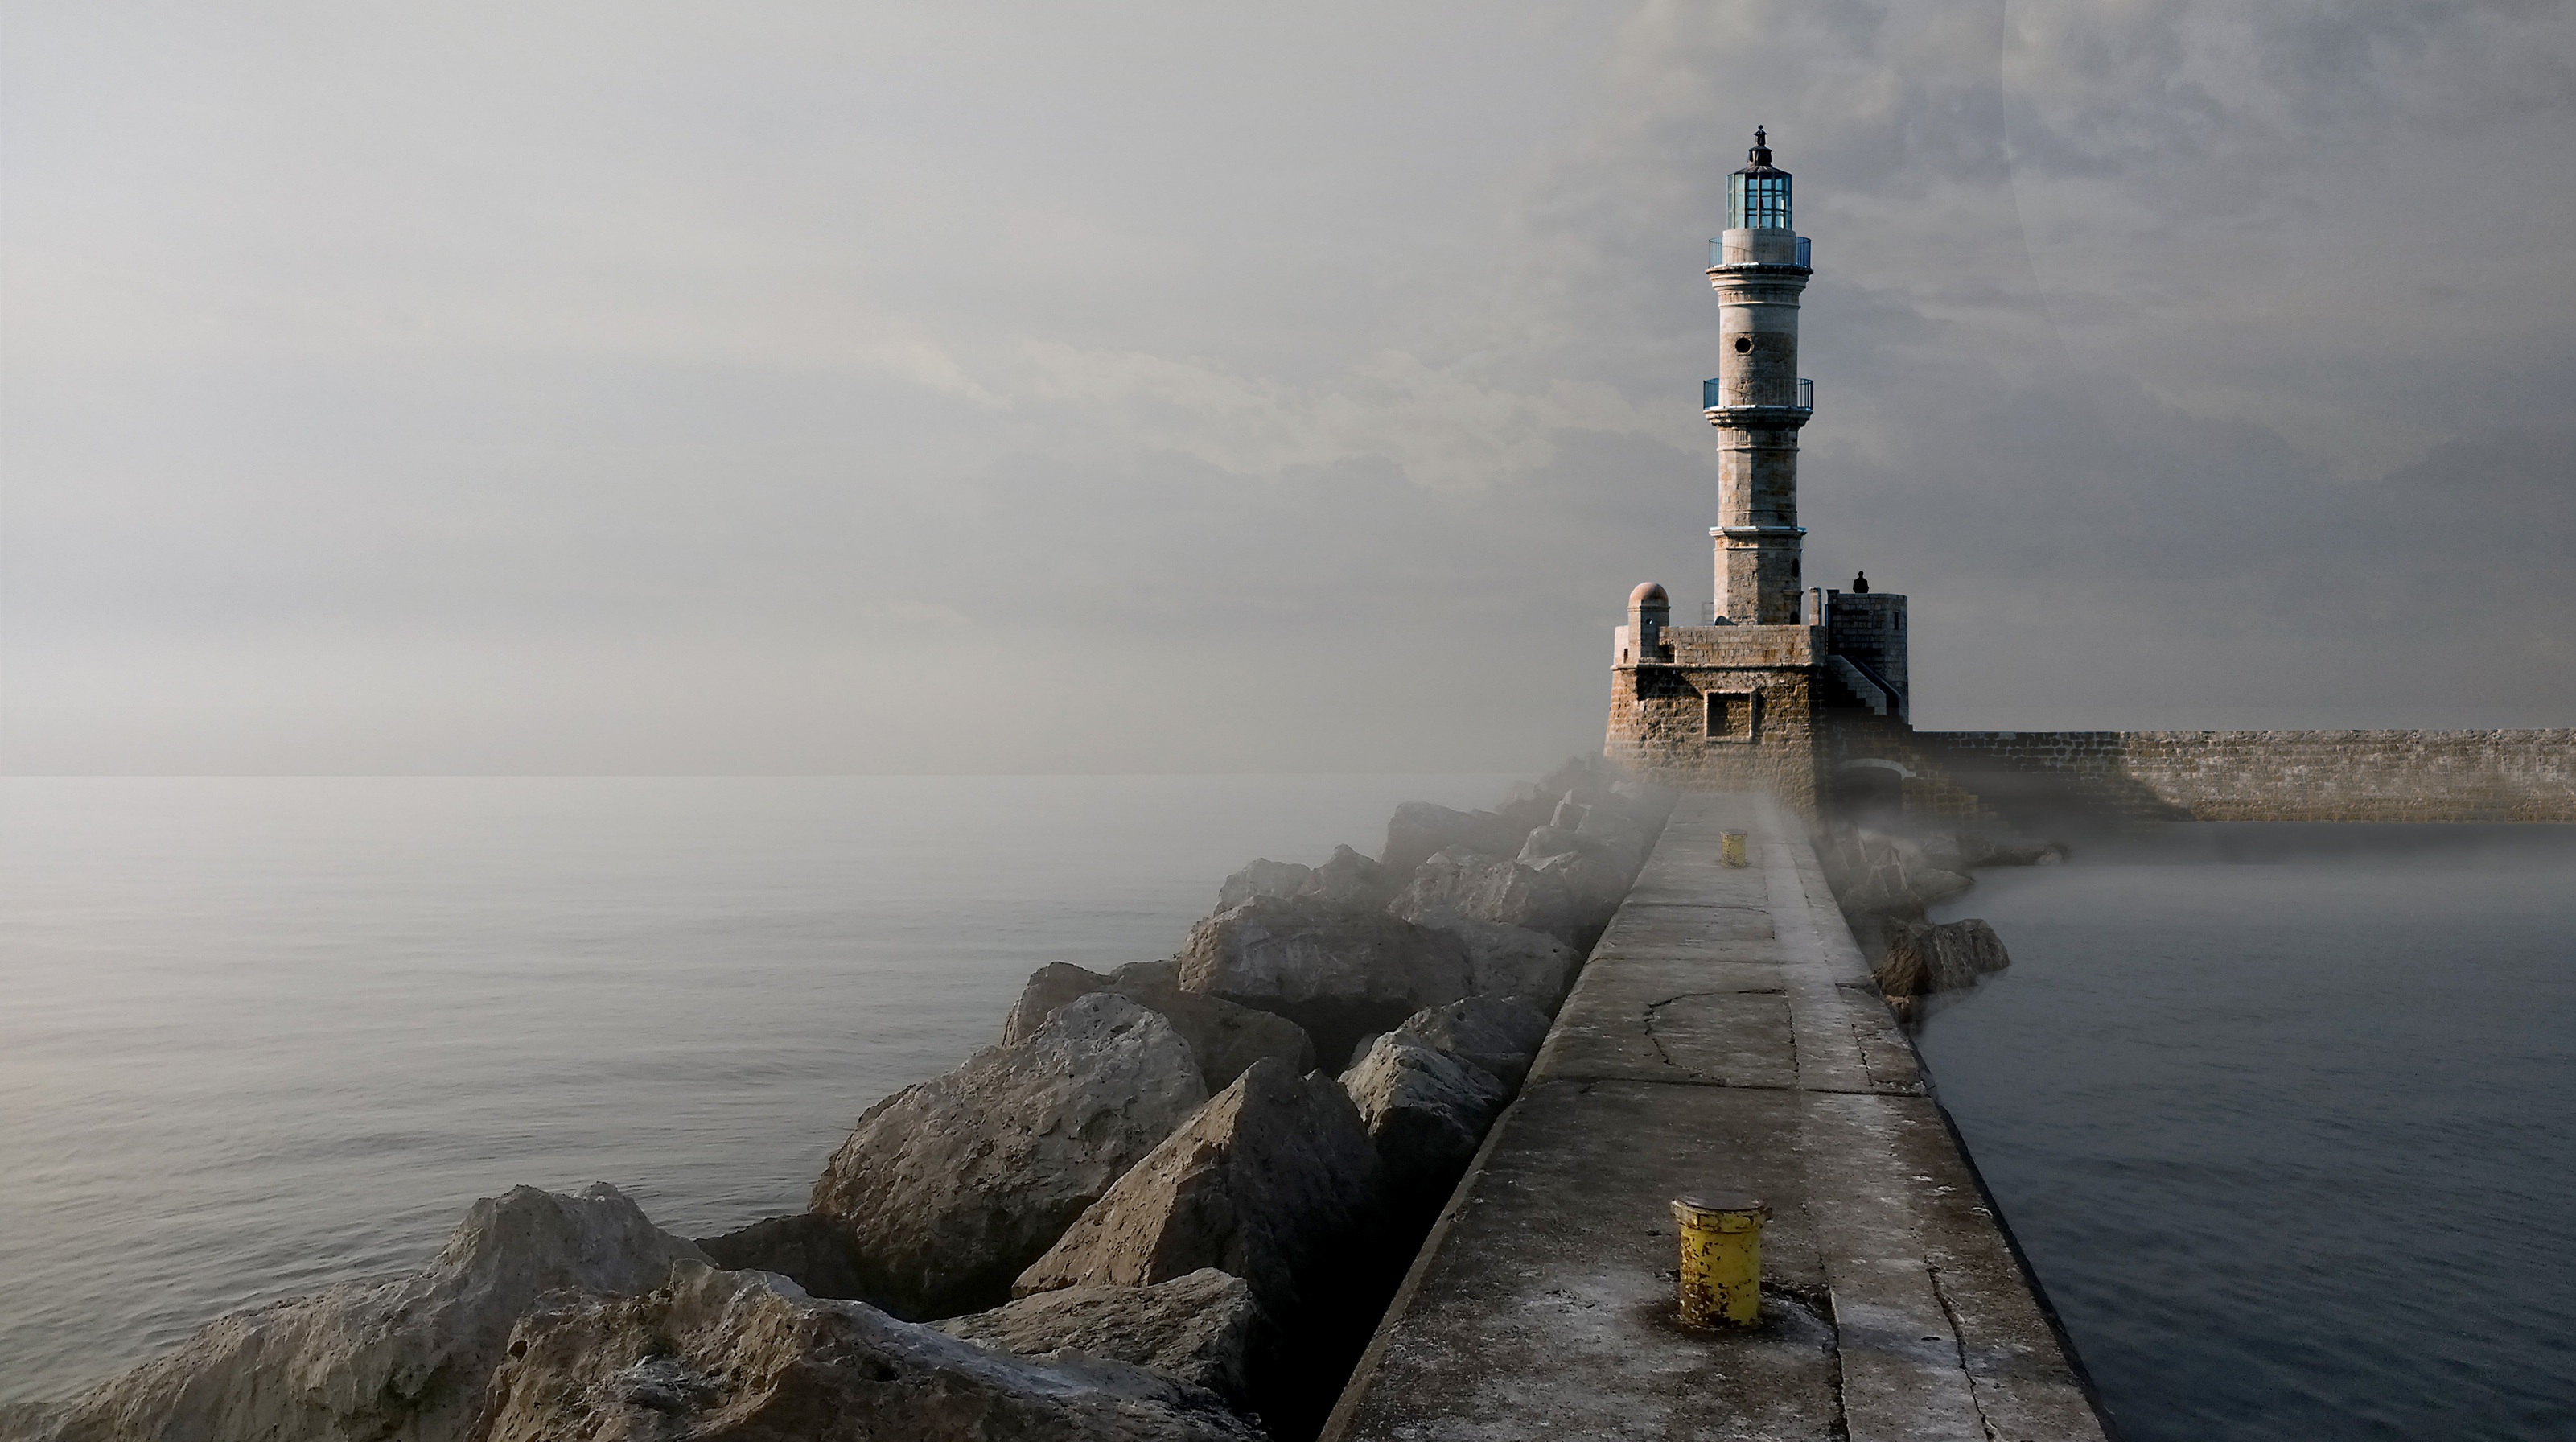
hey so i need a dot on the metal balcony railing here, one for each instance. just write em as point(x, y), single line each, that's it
point(1715, 394)
point(1717, 252)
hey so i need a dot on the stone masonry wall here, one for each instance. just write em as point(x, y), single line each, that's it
point(1870, 628)
point(1659, 729)
point(2273, 775)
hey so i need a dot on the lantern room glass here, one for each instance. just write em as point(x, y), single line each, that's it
point(1757, 202)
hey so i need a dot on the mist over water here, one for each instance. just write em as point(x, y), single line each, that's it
point(2280, 1113)
point(2282, 1117)
point(264, 1034)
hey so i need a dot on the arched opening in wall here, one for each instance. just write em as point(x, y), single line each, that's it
point(1868, 790)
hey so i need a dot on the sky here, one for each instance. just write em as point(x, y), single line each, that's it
point(781, 387)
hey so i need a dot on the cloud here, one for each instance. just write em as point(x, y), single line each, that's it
point(505, 389)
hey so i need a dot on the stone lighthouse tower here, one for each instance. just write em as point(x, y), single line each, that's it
point(1757, 400)
point(1783, 684)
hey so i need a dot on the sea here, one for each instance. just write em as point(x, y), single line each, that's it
point(2283, 1116)
point(2279, 1115)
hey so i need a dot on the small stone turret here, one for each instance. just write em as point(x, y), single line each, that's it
point(1650, 612)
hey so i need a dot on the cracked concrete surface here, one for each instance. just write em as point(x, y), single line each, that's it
point(1722, 1034)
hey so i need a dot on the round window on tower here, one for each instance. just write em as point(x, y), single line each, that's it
point(1744, 345)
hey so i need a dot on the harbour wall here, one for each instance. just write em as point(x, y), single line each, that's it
point(1724, 1035)
point(2453, 776)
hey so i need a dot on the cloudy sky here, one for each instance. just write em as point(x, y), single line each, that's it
point(1108, 387)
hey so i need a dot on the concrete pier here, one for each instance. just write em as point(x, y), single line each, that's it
point(1724, 1034)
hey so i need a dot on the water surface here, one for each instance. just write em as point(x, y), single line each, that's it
point(2282, 1117)
point(261, 1034)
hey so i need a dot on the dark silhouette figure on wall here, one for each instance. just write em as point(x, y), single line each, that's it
point(1860, 584)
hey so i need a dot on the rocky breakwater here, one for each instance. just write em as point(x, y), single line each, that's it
point(1170, 1202)
point(1884, 883)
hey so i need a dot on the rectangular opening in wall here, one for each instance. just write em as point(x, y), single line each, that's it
point(1731, 715)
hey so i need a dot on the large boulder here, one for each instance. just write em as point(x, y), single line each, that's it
point(1494, 1034)
point(1224, 1037)
point(816, 1253)
point(1419, 829)
point(749, 1357)
point(400, 1359)
point(1489, 888)
point(1627, 840)
point(1877, 874)
point(1509, 961)
point(951, 1187)
point(1336, 973)
point(1926, 960)
point(1348, 879)
point(1272, 1181)
point(1426, 1110)
point(1593, 875)
point(1197, 1328)
point(1264, 877)
point(1964, 851)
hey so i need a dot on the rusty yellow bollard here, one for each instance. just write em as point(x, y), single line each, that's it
point(1721, 1258)
point(1732, 849)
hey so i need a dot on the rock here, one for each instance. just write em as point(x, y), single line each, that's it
point(1877, 874)
point(400, 1359)
point(1626, 840)
point(1273, 1180)
point(1050, 986)
point(1644, 802)
point(1925, 960)
point(1224, 1037)
point(1494, 1034)
point(1197, 1328)
point(951, 1187)
point(1427, 1111)
point(1593, 875)
point(1489, 889)
point(1335, 973)
point(1513, 961)
point(1963, 851)
point(1347, 880)
point(1547, 841)
point(1419, 829)
point(1910, 891)
point(816, 1253)
point(1264, 878)
point(1354, 881)
point(748, 1357)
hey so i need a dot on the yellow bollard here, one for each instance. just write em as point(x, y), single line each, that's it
point(1733, 852)
point(1721, 1258)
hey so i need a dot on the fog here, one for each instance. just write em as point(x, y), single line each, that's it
point(781, 387)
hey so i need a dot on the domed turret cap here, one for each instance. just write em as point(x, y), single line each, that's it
point(1648, 594)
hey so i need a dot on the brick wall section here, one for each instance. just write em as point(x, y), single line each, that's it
point(2275, 775)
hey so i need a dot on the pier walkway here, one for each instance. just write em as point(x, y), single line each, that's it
point(1724, 1034)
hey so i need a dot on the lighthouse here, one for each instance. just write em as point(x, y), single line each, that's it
point(1757, 401)
point(1783, 687)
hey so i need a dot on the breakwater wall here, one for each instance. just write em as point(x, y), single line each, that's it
point(2269, 775)
point(1724, 1034)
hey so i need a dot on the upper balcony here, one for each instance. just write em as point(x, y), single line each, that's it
point(1803, 254)
point(1715, 394)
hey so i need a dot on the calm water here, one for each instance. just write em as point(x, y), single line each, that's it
point(256, 1035)
point(2280, 1113)
point(2285, 1117)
